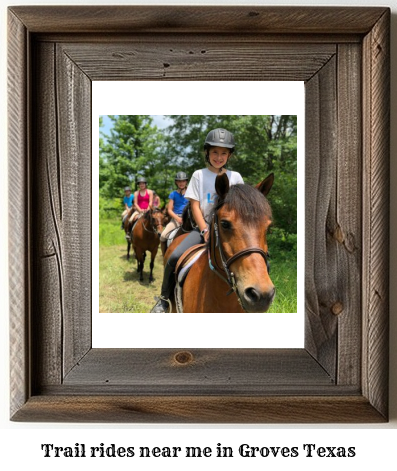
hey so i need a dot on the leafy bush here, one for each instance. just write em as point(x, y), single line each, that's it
point(109, 208)
point(281, 241)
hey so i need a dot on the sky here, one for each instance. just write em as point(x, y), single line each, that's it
point(159, 120)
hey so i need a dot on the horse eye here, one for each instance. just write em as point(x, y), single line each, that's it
point(225, 224)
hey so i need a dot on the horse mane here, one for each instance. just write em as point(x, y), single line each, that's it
point(248, 202)
point(146, 215)
point(185, 212)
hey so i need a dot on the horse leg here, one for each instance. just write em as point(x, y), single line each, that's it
point(153, 256)
point(140, 256)
point(163, 247)
point(139, 259)
point(139, 267)
point(141, 270)
point(129, 239)
point(151, 279)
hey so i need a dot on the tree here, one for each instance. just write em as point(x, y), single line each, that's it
point(129, 151)
point(264, 144)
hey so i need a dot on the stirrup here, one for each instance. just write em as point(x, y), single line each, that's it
point(160, 306)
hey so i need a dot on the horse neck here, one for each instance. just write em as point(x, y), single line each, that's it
point(214, 250)
point(146, 220)
point(187, 223)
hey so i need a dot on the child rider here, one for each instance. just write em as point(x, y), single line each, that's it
point(219, 146)
point(176, 204)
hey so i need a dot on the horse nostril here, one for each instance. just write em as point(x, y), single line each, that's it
point(252, 295)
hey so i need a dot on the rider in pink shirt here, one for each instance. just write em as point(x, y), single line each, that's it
point(143, 199)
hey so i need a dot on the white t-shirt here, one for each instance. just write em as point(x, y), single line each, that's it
point(202, 188)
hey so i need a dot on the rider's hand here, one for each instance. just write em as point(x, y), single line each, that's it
point(178, 219)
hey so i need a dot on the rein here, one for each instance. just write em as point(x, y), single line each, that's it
point(216, 242)
point(154, 226)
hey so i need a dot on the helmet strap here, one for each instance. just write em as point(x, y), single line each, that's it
point(179, 190)
point(207, 158)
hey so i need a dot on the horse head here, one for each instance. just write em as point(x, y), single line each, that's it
point(157, 220)
point(242, 217)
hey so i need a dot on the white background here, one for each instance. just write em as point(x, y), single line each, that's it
point(127, 330)
point(20, 443)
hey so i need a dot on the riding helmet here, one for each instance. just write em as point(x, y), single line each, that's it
point(127, 188)
point(219, 138)
point(141, 180)
point(181, 176)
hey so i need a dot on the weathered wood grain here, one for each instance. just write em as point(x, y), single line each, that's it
point(62, 222)
point(338, 378)
point(346, 228)
point(48, 280)
point(199, 19)
point(19, 214)
point(155, 38)
point(376, 106)
point(321, 280)
point(333, 215)
point(73, 91)
point(199, 409)
point(170, 60)
point(229, 369)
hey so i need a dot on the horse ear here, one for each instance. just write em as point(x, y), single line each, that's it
point(222, 185)
point(265, 185)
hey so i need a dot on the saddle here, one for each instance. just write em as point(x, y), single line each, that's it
point(183, 267)
point(171, 235)
point(134, 224)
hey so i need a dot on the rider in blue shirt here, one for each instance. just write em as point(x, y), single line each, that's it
point(179, 202)
point(128, 201)
point(176, 204)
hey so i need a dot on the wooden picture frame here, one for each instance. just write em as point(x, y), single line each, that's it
point(342, 54)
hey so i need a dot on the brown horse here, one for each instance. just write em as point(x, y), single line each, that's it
point(146, 237)
point(232, 275)
point(127, 225)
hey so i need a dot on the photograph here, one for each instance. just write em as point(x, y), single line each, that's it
point(199, 212)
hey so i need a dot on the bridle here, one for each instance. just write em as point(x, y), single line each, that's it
point(215, 242)
point(153, 226)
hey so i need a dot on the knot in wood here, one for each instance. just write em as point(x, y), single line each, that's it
point(337, 308)
point(183, 358)
point(338, 235)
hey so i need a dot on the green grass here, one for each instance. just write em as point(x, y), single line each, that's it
point(119, 287)
point(110, 233)
point(121, 291)
point(283, 272)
